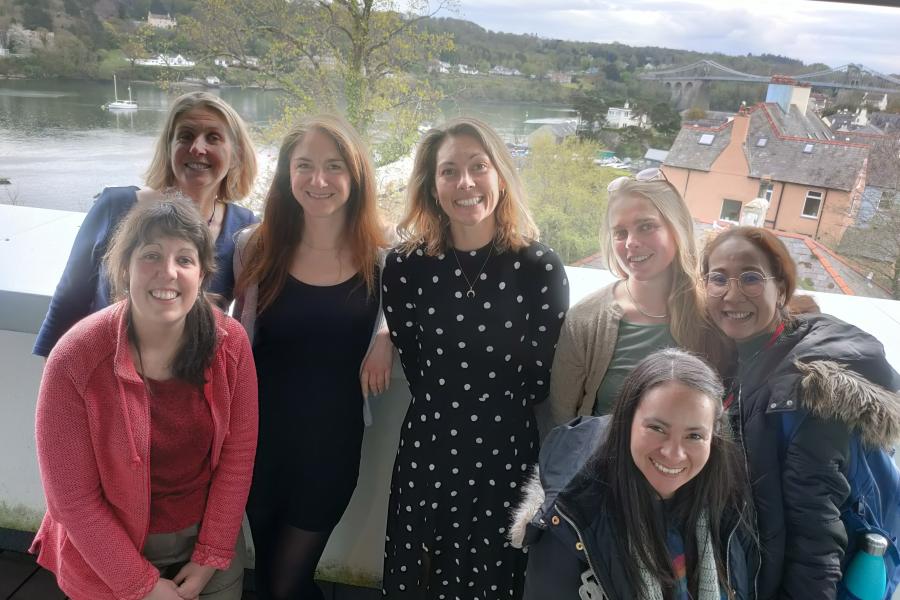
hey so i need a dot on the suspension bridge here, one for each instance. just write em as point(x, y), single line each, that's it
point(688, 81)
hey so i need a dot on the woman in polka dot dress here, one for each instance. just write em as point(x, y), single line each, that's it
point(474, 305)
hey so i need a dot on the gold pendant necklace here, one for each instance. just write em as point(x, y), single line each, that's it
point(471, 292)
point(639, 309)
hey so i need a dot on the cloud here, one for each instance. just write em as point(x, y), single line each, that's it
point(812, 31)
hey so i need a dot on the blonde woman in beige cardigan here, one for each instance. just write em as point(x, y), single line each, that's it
point(649, 244)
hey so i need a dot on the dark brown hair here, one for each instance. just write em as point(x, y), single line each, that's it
point(718, 488)
point(270, 248)
point(177, 218)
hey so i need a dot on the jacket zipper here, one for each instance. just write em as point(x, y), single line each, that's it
point(728, 552)
point(740, 400)
point(584, 546)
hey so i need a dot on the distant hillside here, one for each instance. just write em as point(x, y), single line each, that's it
point(530, 54)
point(474, 44)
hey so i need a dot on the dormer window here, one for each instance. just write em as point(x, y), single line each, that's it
point(706, 139)
point(807, 149)
point(761, 142)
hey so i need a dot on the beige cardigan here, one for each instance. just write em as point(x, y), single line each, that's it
point(586, 346)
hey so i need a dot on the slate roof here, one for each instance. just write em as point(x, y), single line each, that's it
point(656, 154)
point(686, 152)
point(831, 164)
point(884, 164)
point(886, 121)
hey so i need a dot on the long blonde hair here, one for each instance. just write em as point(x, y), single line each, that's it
point(425, 222)
point(688, 321)
point(271, 246)
point(238, 181)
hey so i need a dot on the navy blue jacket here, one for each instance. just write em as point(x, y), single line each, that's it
point(571, 539)
point(84, 287)
point(835, 377)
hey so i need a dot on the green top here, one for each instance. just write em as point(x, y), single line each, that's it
point(635, 343)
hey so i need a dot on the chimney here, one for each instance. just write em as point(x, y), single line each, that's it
point(733, 158)
point(785, 91)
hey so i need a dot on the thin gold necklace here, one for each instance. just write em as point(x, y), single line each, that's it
point(641, 310)
point(174, 193)
point(471, 292)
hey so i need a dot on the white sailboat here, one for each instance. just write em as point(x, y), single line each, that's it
point(120, 104)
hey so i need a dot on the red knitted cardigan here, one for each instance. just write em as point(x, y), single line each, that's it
point(93, 446)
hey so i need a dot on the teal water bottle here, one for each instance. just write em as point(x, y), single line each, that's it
point(866, 577)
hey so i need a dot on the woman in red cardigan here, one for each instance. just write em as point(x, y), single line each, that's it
point(146, 427)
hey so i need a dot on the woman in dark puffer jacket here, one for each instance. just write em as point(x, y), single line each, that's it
point(830, 379)
point(649, 502)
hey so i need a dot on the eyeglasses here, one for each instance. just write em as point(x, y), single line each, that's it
point(750, 283)
point(651, 174)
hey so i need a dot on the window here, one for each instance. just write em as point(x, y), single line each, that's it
point(887, 200)
point(731, 210)
point(706, 139)
point(811, 206)
point(761, 142)
point(807, 149)
point(768, 192)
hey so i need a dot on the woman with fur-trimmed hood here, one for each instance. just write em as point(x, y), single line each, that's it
point(829, 378)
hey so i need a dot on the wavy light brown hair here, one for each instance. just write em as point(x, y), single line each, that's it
point(150, 220)
point(238, 181)
point(425, 222)
point(688, 322)
point(271, 246)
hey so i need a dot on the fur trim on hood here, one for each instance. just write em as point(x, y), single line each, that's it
point(829, 390)
point(527, 510)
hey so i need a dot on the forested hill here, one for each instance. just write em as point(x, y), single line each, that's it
point(94, 21)
point(531, 54)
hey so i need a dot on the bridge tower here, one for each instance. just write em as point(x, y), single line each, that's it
point(689, 93)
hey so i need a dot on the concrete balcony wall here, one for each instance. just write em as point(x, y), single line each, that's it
point(34, 246)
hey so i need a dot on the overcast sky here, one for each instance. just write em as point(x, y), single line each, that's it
point(809, 30)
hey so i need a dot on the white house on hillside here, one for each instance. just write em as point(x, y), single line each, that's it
point(160, 21)
point(619, 117)
point(163, 60)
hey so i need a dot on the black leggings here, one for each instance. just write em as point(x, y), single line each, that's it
point(286, 558)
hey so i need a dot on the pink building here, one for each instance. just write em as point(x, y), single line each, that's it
point(781, 151)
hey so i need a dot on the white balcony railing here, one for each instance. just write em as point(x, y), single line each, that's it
point(34, 246)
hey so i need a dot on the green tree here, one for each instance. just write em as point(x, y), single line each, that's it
point(665, 119)
point(567, 194)
point(362, 56)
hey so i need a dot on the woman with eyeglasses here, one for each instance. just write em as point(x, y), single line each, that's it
point(804, 384)
point(648, 239)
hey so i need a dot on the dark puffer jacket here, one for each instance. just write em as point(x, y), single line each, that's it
point(570, 541)
point(837, 379)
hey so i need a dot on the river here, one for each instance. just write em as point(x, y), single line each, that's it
point(59, 148)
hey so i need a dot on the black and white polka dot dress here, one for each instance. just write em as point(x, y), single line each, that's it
point(475, 365)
